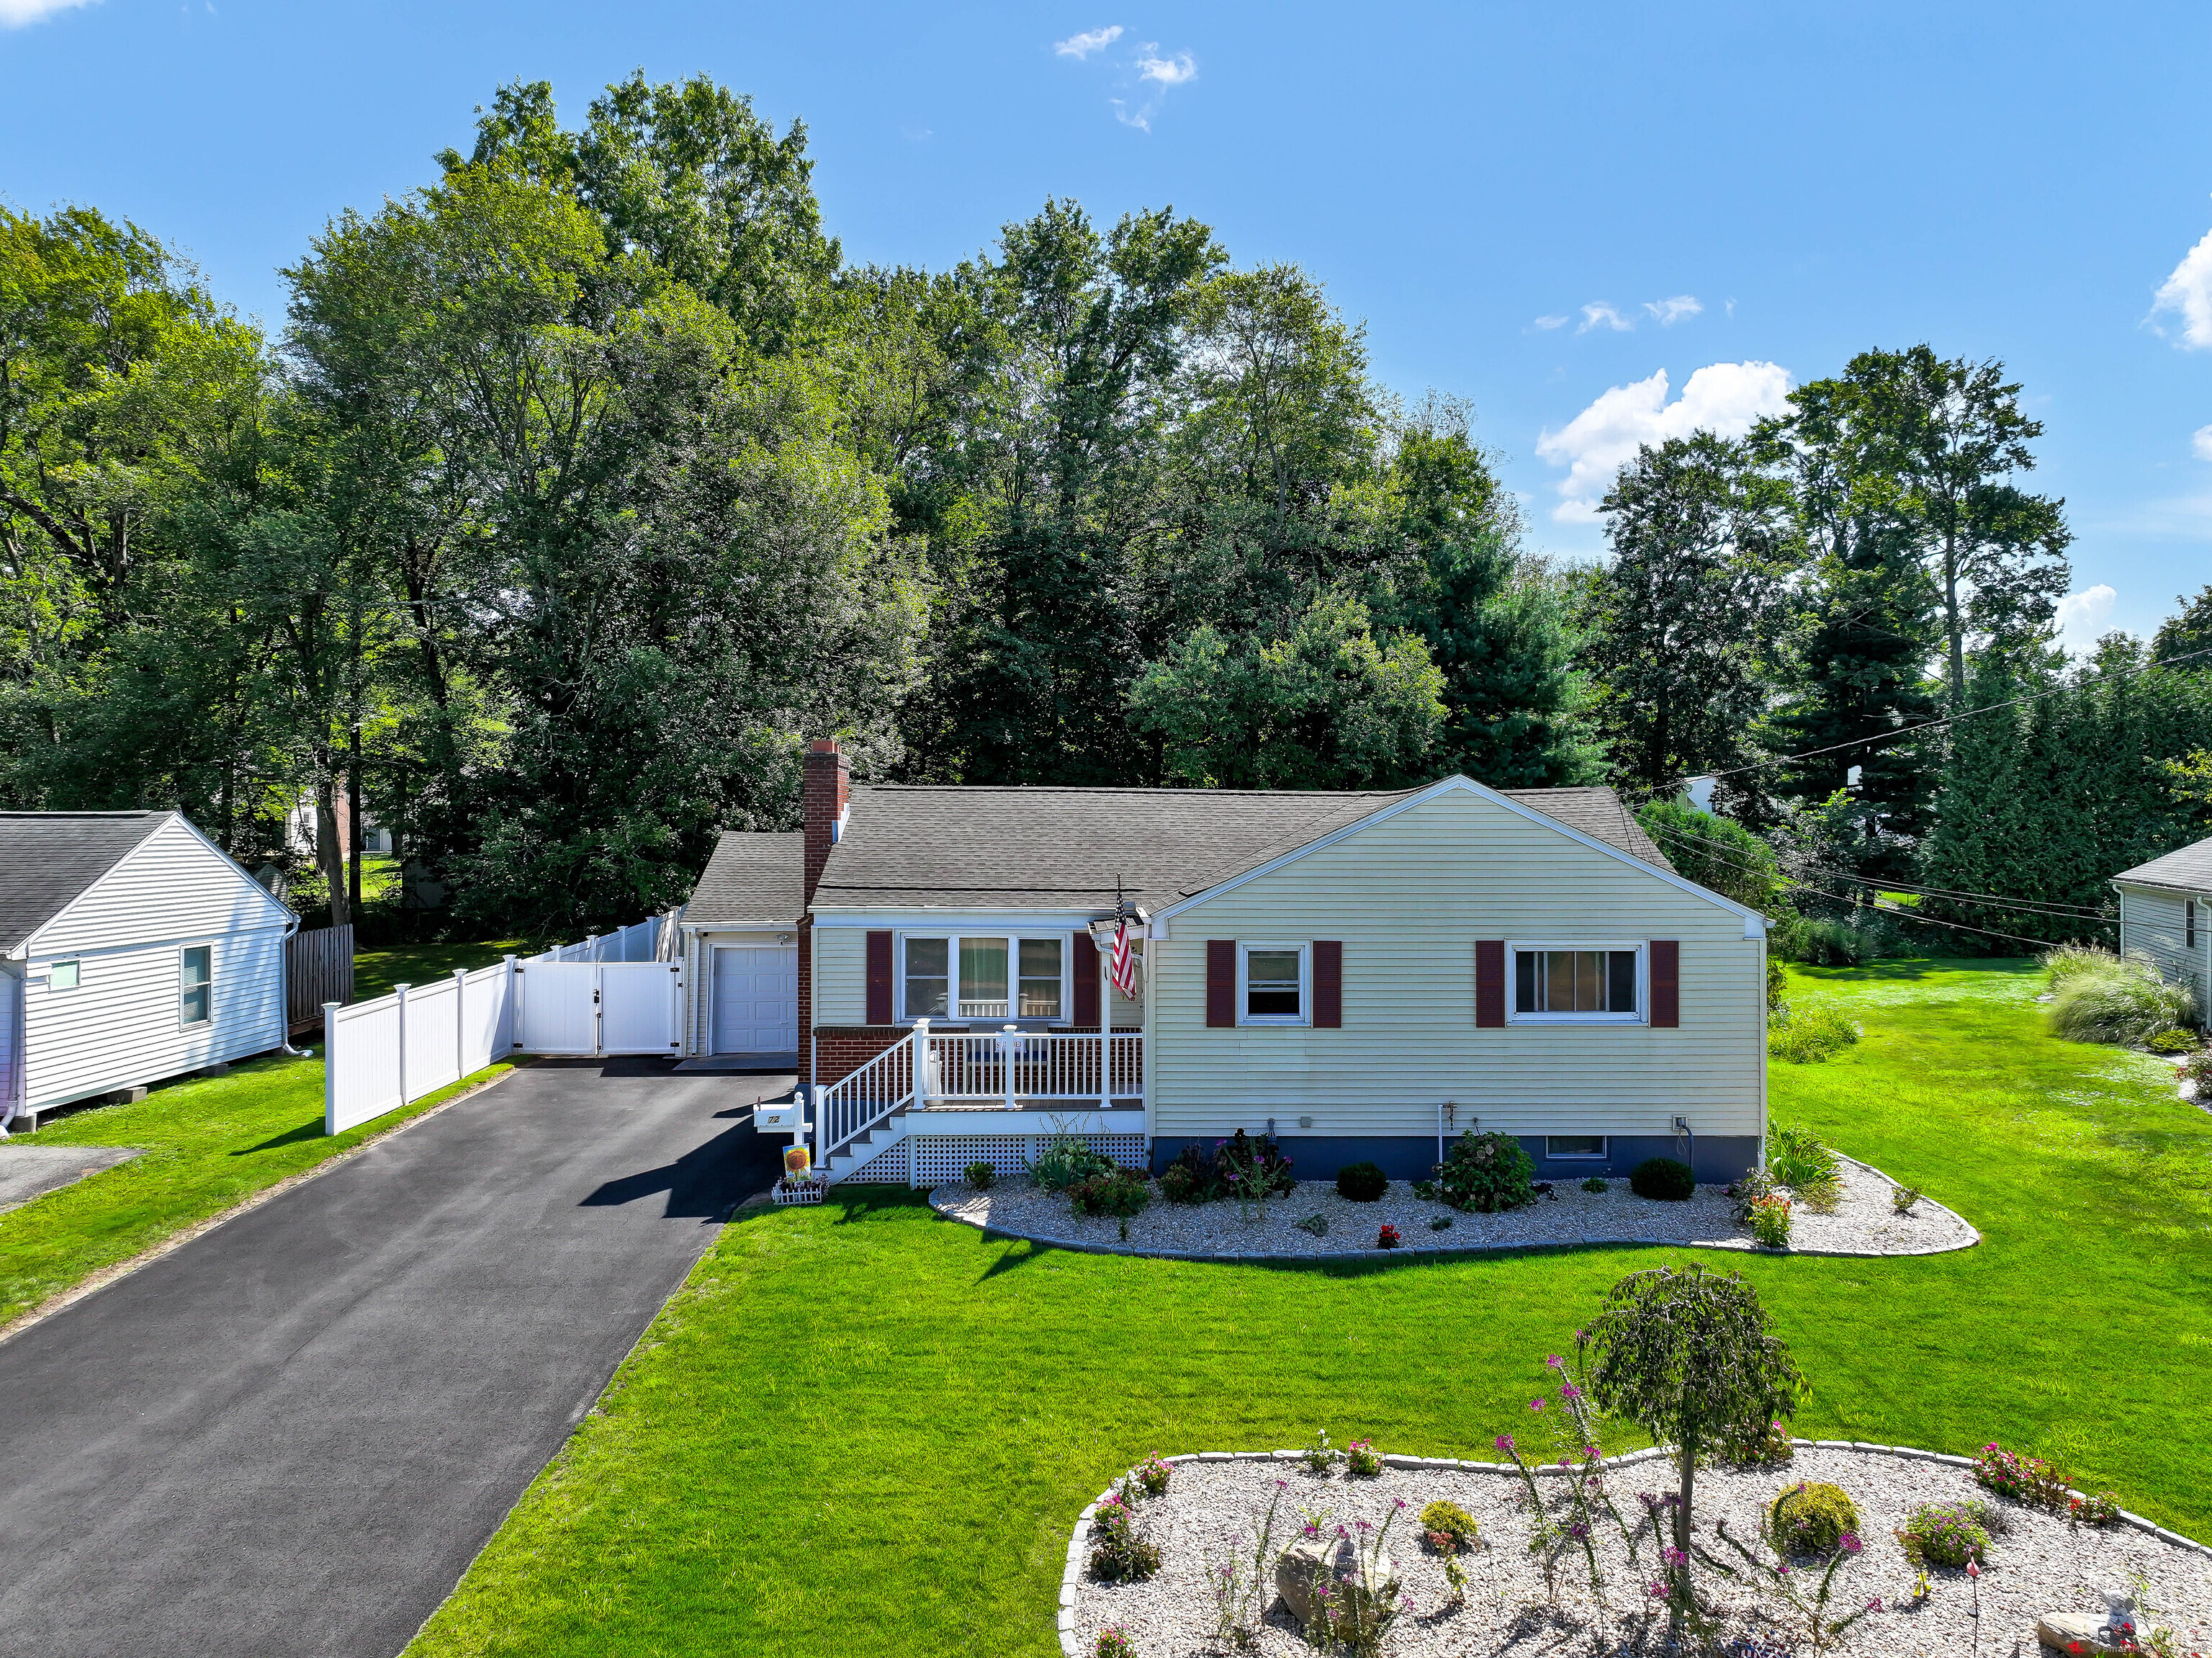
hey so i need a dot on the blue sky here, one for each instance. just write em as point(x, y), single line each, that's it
point(1540, 209)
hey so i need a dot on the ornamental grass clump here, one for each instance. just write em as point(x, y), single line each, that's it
point(1807, 1033)
point(1796, 1159)
point(1486, 1173)
point(2124, 1000)
point(1119, 1551)
point(1811, 1517)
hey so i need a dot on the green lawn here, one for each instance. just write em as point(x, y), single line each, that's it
point(861, 1430)
point(210, 1142)
point(375, 971)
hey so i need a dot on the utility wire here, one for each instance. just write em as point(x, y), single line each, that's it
point(1932, 725)
point(1992, 900)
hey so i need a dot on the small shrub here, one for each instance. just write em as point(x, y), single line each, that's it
point(2102, 1509)
point(1114, 1642)
point(1447, 1529)
point(1440, 1224)
point(1064, 1162)
point(1663, 1177)
point(1316, 1223)
point(1319, 1455)
point(981, 1175)
point(1769, 1221)
point(1748, 1190)
point(1811, 1517)
point(1181, 1183)
point(1122, 1192)
point(1945, 1534)
point(1486, 1173)
point(2196, 1071)
point(1362, 1183)
point(1362, 1459)
point(1387, 1238)
point(2125, 1002)
point(1151, 1475)
point(1777, 983)
point(1119, 1553)
point(2173, 1041)
point(1426, 1191)
point(1597, 1182)
point(2024, 1479)
point(1902, 1197)
point(1250, 1169)
point(1810, 1031)
point(1833, 943)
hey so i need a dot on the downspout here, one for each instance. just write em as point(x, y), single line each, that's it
point(21, 1039)
point(284, 992)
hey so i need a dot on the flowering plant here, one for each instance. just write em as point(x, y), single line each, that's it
point(1114, 1642)
point(1152, 1476)
point(1354, 1610)
point(1387, 1237)
point(1813, 1606)
point(2024, 1479)
point(2102, 1509)
point(1119, 1551)
point(1769, 1221)
point(1361, 1458)
point(1319, 1455)
point(1243, 1583)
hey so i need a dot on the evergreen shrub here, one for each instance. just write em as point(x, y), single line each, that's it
point(1663, 1177)
point(1487, 1173)
point(1362, 1183)
point(1811, 1517)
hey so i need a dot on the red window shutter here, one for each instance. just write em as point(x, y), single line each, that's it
point(1329, 983)
point(1086, 977)
point(1220, 982)
point(880, 979)
point(1665, 983)
point(1490, 983)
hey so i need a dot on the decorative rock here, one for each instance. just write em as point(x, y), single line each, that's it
point(1308, 1560)
point(2075, 1632)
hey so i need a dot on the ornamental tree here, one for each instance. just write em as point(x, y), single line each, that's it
point(1691, 1357)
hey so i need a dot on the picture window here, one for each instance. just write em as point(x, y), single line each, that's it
point(1571, 983)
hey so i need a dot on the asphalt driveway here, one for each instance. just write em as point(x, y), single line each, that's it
point(292, 1434)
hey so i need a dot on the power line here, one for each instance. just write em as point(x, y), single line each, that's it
point(2031, 906)
point(1934, 725)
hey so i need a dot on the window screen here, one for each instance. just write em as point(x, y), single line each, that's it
point(195, 999)
point(1271, 985)
point(1575, 981)
point(928, 978)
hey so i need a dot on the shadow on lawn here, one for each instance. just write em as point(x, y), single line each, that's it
point(1912, 969)
point(310, 1129)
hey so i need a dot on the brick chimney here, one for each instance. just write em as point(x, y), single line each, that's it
point(827, 788)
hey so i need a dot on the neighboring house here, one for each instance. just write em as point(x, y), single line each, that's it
point(2164, 915)
point(1362, 974)
point(131, 950)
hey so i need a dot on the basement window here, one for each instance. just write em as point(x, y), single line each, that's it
point(1574, 1145)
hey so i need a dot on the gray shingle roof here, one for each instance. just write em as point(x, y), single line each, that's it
point(2189, 868)
point(1066, 848)
point(752, 877)
point(48, 858)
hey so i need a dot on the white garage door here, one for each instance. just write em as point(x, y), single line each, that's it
point(756, 994)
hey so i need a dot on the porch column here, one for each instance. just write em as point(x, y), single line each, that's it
point(1106, 1061)
point(920, 1063)
point(1006, 1049)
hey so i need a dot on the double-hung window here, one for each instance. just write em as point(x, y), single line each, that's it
point(1577, 984)
point(987, 975)
point(195, 984)
point(1272, 987)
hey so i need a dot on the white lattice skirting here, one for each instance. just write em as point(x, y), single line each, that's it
point(932, 1159)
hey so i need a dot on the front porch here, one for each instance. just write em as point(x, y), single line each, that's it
point(998, 1094)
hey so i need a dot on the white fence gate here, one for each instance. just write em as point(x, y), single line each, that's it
point(618, 993)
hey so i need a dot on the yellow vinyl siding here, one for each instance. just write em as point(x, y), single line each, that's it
point(1408, 897)
point(841, 976)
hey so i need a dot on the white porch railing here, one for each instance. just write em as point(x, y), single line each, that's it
point(965, 1067)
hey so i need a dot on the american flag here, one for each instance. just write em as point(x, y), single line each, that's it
point(1122, 970)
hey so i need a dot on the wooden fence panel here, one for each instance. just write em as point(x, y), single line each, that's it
point(317, 968)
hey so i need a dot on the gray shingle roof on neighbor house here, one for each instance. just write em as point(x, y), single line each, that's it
point(752, 877)
point(2189, 869)
point(1066, 848)
point(48, 858)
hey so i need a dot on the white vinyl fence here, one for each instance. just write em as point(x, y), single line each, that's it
point(378, 1056)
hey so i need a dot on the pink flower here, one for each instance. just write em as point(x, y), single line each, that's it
point(1973, 1570)
point(1570, 1390)
point(1875, 1605)
point(1555, 1362)
point(1537, 1403)
point(1849, 1543)
point(1504, 1442)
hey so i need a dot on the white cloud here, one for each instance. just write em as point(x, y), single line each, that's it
point(1598, 314)
point(1721, 397)
point(1168, 71)
point(1549, 323)
point(2189, 291)
point(2082, 616)
point(1672, 311)
point(2201, 441)
point(15, 13)
point(1078, 47)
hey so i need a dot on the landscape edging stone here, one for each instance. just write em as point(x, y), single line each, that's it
point(1071, 1648)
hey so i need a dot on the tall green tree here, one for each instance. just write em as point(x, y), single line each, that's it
point(1684, 625)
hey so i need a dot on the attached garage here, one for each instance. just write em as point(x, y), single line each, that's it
point(741, 943)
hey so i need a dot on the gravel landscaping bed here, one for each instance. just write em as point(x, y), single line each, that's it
point(2039, 1563)
point(1862, 1224)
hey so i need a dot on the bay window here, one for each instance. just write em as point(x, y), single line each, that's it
point(989, 975)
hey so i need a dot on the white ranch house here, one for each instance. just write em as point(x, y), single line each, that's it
point(1362, 974)
point(131, 950)
point(2165, 914)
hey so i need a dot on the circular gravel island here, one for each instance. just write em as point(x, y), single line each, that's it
point(1863, 1224)
point(2037, 1562)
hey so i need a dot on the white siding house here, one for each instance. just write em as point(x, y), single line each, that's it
point(2165, 915)
point(133, 950)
